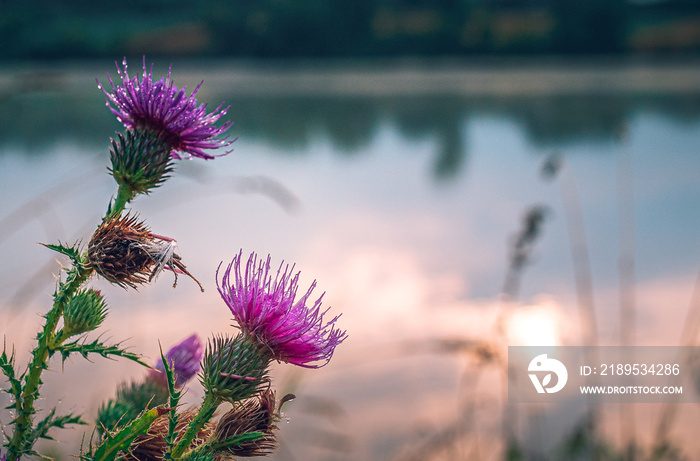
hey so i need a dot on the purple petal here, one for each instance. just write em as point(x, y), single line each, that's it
point(166, 110)
point(267, 308)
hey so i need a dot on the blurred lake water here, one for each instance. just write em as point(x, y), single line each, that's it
point(400, 188)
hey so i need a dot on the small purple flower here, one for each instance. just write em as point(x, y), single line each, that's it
point(268, 311)
point(160, 107)
point(184, 358)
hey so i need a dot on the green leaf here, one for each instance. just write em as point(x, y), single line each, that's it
point(214, 447)
point(236, 441)
point(174, 401)
point(96, 347)
point(42, 428)
point(72, 252)
point(120, 441)
point(7, 365)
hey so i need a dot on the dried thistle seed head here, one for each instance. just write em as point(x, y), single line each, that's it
point(116, 251)
point(151, 446)
point(253, 415)
point(126, 253)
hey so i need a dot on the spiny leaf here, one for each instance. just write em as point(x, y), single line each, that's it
point(174, 401)
point(7, 365)
point(42, 428)
point(72, 252)
point(210, 449)
point(122, 440)
point(96, 347)
point(236, 440)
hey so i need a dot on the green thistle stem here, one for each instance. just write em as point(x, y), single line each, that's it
point(124, 195)
point(59, 338)
point(30, 392)
point(206, 412)
point(192, 453)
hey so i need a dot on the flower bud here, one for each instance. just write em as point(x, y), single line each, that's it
point(131, 399)
point(233, 369)
point(85, 311)
point(183, 359)
point(113, 413)
point(140, 161)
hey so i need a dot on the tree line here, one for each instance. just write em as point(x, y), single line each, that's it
point(335, 28)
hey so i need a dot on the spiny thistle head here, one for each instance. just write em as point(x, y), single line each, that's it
point(114, 413)
point(183, 358)
point(233, 368)
point(140, 161)
point(267, 311)
point(256, 414)
point(85, 311)
point(152, 445)
point(161, 108)
point(131, 399)
point(126, 253)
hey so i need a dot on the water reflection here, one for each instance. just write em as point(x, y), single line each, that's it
point(351, 123)
point(347, 188)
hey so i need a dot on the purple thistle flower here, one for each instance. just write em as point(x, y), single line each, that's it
point(268, 311)
point(162, 108)
point(184, 358)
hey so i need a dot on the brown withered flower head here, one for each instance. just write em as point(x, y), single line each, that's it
point(126, 253)
point(256, 414)
point(151, 446)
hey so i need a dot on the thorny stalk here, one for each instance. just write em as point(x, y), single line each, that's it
point(47, 340)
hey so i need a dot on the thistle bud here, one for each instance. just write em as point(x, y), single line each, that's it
point(113, 413)
point(183, 358)
point(126, 253)
point(131, 399)
point(252, 415)
point(85, 311)
point(233, 369)
point(140, 161)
